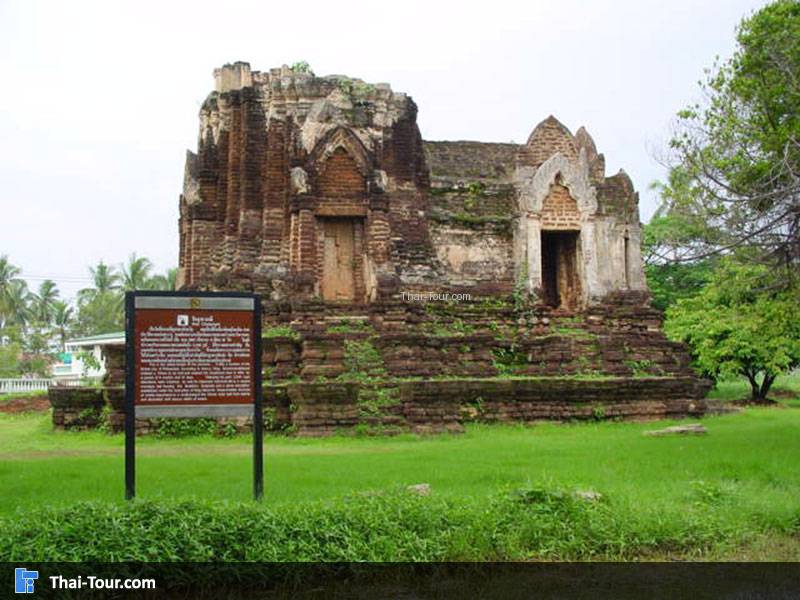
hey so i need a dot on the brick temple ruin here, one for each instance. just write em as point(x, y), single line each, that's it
point(322, 189)
point(414, 285)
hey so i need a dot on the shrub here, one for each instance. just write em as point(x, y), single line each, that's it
point(392, 525)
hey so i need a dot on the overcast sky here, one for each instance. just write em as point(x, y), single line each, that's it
point(99, 100)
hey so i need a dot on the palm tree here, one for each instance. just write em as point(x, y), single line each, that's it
point(163, 282)
point(62, 322)
point(16, 303)
point(104, 279)
point(43, 301)
point(103, 313)
point(136, 273)
point(8, 278)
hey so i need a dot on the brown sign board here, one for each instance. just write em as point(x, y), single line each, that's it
point(193, 357)
point(192, 354)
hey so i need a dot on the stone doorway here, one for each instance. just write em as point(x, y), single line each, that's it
point(561, 286)
point(339, 260)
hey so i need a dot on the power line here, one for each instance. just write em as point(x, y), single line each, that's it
point(56, 277)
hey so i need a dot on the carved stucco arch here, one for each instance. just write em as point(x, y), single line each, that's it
point(534, 184)
point(341, 137)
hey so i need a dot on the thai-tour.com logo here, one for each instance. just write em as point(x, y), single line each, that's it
point(23, 580)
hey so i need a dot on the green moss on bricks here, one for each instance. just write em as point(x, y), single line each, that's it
point(353, 327)
point(362, 362)
point(279, 331)
point(575, 333)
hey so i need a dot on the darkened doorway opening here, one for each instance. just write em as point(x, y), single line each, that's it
point(561, 285)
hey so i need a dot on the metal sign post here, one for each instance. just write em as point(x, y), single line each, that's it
point(193, 354)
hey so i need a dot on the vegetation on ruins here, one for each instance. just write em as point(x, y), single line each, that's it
point(35, 325)
point(302, 66)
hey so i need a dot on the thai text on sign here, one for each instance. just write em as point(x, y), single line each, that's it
point(194, 356)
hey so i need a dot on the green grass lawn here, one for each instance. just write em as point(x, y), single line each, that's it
point(743, 475)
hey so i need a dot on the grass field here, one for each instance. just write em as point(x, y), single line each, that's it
point(743, 476)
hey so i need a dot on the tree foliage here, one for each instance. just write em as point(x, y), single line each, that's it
point(34, 326)
point(735, 175)
point(665, 239)
point(740, 324)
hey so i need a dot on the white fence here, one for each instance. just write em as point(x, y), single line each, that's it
point(8, 386)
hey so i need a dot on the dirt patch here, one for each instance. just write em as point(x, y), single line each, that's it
point(748, 403)
point(784, 394)
point(25, 404)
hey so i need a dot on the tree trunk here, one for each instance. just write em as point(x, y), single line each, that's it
point(766, 384)
point(758, 392)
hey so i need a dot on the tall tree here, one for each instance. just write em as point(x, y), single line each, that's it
point(9, 278)
point(104, 279)
point(17, 303)
point(736, 157)
point(164, 282)
point(136, 273)
point(62, 322)
point(102, 313)
point(100, 307)
point(43, 301)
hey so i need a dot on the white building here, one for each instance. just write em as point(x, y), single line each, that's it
point(73, 366)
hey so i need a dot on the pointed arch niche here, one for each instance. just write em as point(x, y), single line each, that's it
point(341, 166)
point(555, 235)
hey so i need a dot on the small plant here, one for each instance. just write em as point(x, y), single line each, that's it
point(362, 362)
point(373, 400)
point(574, 332)
point(598, 412)
point(356, 89)
point(706, 493)
point(104, 420)
point(352, 327)
point(89, 416)
point(473, 409)
point(475, 191)
point(302, 66)
point(226, 429)
point(640, 368)
point(520, 295)
point(456, 327)
point(170, 427)
point(508, 361)
point(279, 331)
point(89, 362)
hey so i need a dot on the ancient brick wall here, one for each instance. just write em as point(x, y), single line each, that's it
point(423, 406)
point(471, 214)
point(77, 408)
point(280, 150)
point(548, 138)
point(431, 369)
point(560, 210)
